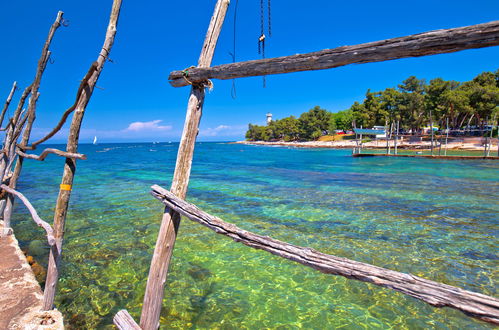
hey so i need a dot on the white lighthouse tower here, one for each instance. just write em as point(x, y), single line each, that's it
point(269, 117)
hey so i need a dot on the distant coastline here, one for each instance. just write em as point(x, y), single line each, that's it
point(465, 144)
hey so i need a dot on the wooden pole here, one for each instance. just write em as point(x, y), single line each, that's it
point(486, 143)
point(390, 128)
point(361, 144)
point(6, 208)
point(7, 102)
point(446, 135)
point(476, 305)
point(386, 136)
point(439, 141)
point(428, 43)
point(356, 148)
point(431, 129)
point(70, 165)
point(9, 136)
point(170, 222)
point(396, 138)
point(490, 138)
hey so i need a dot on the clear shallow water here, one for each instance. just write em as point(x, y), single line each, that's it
point(433, 218)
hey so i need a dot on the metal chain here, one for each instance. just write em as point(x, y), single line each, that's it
point(261, 17)
point(233, 92)
point(261, 28)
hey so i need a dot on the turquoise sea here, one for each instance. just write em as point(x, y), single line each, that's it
point(433, 218)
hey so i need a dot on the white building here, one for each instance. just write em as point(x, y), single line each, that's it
point(269, 118)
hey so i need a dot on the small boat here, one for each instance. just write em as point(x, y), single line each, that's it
point(95, 140)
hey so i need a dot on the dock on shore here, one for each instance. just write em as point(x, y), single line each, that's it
point(425, 156)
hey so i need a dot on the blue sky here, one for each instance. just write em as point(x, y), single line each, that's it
point(135, 101)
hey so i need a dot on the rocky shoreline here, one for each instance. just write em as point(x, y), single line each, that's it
point(473, 144)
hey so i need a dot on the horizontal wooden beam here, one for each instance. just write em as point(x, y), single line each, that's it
point(422, 44)
point(436, 294)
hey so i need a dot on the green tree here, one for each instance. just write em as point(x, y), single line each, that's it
point(258, 133)
point(483, 94)
point(286, 129)
point(411, 105)
point(389, 108)
point(360, 115)
point(314, 123)
point(341, 120)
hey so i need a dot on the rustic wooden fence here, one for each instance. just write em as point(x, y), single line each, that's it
point(14, 152)
point(434, 42)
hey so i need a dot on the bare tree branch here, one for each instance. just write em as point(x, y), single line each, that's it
point(34, 214)
point(65, 115)
point(48, 151)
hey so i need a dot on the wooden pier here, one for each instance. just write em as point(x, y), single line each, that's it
point(426, 156)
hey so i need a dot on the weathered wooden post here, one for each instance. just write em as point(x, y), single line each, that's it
point(396, 138)
point(31, 115)
point(446, 135)
point(70, 165)
point(170, 222)
point(431, 129)
point(489, 141)
point(386, 136)
point(7, 102)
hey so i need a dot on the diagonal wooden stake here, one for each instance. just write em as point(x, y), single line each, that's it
point(163, 250)
point(70, 165)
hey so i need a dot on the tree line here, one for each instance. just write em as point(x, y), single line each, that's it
point(414, 103)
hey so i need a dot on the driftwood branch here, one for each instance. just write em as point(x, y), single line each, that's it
point(64, 196)
point(124, 321)
point(34, 214)
point(18, 127)
point(428, 43)
point(477, 305)
point(66, 114)
point(48, 151)
point(6, 208)
point(7, 103)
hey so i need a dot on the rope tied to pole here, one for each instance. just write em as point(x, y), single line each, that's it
point(207, 83)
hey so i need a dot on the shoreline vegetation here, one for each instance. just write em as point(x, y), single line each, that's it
point(413, 108)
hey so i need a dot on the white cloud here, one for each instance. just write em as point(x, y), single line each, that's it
point(153, 125)
point(223, 130)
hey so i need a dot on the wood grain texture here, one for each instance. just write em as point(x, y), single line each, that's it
point(124, 321)
point(428, 43)
point(70, 164)
point(170, 221)
point(477, 305)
